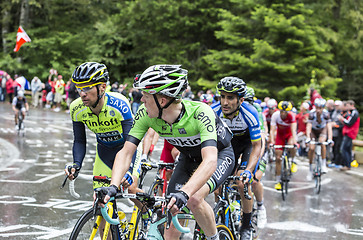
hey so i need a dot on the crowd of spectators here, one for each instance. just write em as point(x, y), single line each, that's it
point(56, 94)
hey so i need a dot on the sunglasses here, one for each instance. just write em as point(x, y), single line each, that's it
point(87, 88)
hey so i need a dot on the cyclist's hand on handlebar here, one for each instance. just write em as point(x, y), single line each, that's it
point(307, 140)
point(104, 194)
point(178, 201)
point(127, 180)
point(72, 170)
point(330, 142)
point(246, 177)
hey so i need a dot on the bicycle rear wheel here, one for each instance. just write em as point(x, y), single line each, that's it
point(84, 226)
point(224, 233)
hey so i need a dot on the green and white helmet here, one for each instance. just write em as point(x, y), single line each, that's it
point(250, 94)
point(169, 80)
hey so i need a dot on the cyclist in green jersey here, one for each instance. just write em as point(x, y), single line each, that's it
point(206, 158)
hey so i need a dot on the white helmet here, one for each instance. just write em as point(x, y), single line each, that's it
point(20, 93)
point(320, 102)
point(169, 80)
point(271, 103)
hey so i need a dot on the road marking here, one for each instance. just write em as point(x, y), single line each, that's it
point(307, 185)
point(341, 228)
point(41, 180)
point(295, 226)
point(46, 232)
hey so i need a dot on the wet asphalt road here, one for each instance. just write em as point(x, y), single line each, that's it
point(33, 207)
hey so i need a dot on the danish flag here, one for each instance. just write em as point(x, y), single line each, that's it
point(21, 38)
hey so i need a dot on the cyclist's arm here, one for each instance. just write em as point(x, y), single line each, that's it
point(203, 173)
point(272, 134)
point(122, 162)
point(254, 156)
point(329, 125)
point(79, 143)
point(308, 129)
point(293, 131)
point(126, 127)
point(27, 106)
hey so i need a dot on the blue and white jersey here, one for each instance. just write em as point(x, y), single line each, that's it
point(244, 124)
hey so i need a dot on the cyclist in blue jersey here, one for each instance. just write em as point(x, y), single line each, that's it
point(242, 118)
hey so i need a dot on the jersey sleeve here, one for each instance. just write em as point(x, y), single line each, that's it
point(140, 125)
point(206, 122)
point(274, 117)
point(250, 115)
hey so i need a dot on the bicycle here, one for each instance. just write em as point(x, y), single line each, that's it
point(86, 227)
point(286, 169)
point(228, 208)
point(20, 125)
point(317, 169)
point(160, 183)
point(153, 228)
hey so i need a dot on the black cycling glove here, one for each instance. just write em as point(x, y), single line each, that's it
point(110, 191)
point(181, 199)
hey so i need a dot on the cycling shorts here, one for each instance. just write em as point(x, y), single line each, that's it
point(282, 139)
point(316, 134)
point(104, 162)
point(166, 156)
point(187, 166)
point(242, 149)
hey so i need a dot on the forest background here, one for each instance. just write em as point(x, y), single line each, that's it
point(276, 46)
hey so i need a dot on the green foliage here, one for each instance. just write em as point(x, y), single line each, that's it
point(273, 45)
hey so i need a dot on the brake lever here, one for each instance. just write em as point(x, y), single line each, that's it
point(64, 182)
point(168, 218)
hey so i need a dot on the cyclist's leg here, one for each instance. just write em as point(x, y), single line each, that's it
point(322, 138)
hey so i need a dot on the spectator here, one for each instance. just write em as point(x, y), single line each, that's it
point(71, 92)
point(36, 87)
point(136, 100)
point(313, 95)
point(188, 94)
point(2, 87)
point(337, 127)
point(351, 121)
point(59, 91)
point(9, 88)
point(114, 87)
point(302, 119)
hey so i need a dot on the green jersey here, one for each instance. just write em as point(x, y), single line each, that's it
point(194, 129)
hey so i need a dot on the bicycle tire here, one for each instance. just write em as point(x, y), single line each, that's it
point(224, 233)
point(138, 226)
point(219, 213)
point(317, 176)
point(156, 188)
point(83, 228)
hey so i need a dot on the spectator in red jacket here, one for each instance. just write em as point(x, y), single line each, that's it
point(313, 95)
point(9, 88)
point(351, 121)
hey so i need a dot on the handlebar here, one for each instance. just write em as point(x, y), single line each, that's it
point(284, 146)
point(245, 186)
point(318, 143)
point(144, 198)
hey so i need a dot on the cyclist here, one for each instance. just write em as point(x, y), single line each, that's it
point(242, 118)
point(192, 128)
point(318, 127)
point(108, 115)
point(283, 129)
point(20, 105)
point(257, 186)
point(271, 108)
point(207, 98)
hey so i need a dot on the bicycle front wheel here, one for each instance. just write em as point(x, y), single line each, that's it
point(224, 233)
point(156, 188)
point(86, 225)
point(317, 176)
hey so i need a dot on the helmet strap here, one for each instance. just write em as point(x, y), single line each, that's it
point(99, 96)
point(162, 108)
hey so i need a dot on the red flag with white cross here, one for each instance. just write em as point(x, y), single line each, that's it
point(21, 38)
